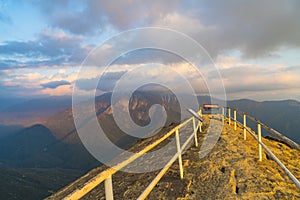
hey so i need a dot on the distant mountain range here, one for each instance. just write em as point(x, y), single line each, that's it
point(36, 147)
point(9, 101)
point(9, 130)
point(33, 183)
point(283, 116)
point(51, 142)
point(55, 143)
point(29, 112)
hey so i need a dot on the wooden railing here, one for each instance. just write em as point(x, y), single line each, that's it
point(261, 145)
point(106, 175)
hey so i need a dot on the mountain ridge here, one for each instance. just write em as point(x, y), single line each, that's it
point(64, 149)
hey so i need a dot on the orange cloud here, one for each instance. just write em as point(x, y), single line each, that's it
point(59, 91)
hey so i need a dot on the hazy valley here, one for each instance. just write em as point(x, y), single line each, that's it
point(50, 146)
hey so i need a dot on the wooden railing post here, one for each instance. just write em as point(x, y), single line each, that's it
point(106, 175)
point(223, 114)
point(200, 111)
point(245, 135)
point(200, 127)
point(200, 123)
point(109, 195)
point(234, 117)
point(259, 138)
point(179, 153)
point(195, 132)
point(229, 116)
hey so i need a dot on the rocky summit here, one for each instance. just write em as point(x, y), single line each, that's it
point(231, 170)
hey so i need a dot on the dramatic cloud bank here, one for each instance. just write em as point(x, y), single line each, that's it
point(55, 84)
point(256, 44)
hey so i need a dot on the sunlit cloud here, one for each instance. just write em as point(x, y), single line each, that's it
point(61, 90)
point(55, 84)
point(251, 47)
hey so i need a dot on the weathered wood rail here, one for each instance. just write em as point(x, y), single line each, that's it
point(261, 145)
point(106, 175)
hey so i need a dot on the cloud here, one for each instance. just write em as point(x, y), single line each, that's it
point(34, 82)
point(291, 69)
point(106, 82)
point(4, 18)
point(62, 90)
point(248, 26)
point(142, 56)
point(219, 26)
point(92, 16)
point(30, 77)
point(2, 73)
point(48, 49)
point(259, 79)
point(173, 75)
point(16, 90)
point(254, 29)
point(55, 84)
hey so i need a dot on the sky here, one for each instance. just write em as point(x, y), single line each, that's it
point(254, 44)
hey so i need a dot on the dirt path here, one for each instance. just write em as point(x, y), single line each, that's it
point(230, 171)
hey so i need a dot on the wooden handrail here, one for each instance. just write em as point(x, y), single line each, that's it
point(261, 144)
point(292, 177)
point(285, 139)
point(107, 174)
